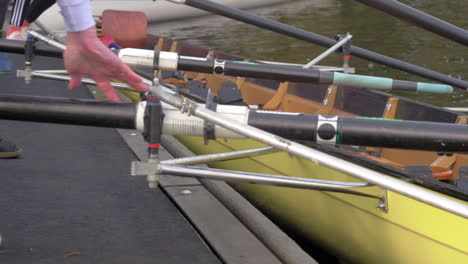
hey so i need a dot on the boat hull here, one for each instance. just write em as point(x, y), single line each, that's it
point(155, 11)
point(351, 227)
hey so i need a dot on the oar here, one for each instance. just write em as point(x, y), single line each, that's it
point(40, 49)
point(172, 61)
point(420, 19)
point(363, 131)
point(333, 130)
point(445, 137)
point(288, 30)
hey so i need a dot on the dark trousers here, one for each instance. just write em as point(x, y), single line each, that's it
point(3, 10)
point(28, 10)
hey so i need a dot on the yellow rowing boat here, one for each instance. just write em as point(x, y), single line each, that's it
point(358, 229)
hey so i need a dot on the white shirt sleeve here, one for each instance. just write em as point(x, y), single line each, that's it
point(77, 14)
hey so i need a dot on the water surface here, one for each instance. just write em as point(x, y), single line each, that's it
point(371, 29)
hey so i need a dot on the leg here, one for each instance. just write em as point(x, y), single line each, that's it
point(17, 28)
point(37, 8)
point(20, 8)
point(3, 10)
point(5, 63)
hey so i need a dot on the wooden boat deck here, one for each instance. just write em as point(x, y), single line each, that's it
point(69, 198)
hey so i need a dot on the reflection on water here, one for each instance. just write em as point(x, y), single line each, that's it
point(371, 29)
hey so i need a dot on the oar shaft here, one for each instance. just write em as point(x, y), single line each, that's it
point(173, 62)
point(372, 132)
point(320, 40)
point(334, 130)
point(420, 19)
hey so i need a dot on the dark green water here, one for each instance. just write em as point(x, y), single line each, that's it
point(371, 29)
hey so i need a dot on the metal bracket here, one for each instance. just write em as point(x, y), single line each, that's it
point(151, 169)
point(331, 121)
point(209, 127)
point(383, 202)
point(141, 168)
point(219, 67)
point(346, 50)
point(26, 74)
point(341, 42)
point(188, 107)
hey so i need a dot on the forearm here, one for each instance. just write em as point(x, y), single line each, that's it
point(87, 55)
point(77, 14)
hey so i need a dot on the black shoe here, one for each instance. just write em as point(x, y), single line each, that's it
point(9, 150)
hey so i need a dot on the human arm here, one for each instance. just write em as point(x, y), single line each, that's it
point(86, 55)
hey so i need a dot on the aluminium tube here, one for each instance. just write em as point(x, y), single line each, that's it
point(47, 40)
point(267, 179)
point(239, 154)
point(319, 157)
point(293, 32)
point(279, 243)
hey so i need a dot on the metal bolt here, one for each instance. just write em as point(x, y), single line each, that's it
point(153, 181)
point(382, 206)
point(388, 106)
point(186, 192)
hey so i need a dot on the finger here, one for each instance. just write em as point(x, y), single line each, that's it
point(108, 90)
point(132, 79)
point(75, 81)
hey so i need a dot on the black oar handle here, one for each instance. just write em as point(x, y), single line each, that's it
point(18, 46)
point(293, 32)
point(68, 111)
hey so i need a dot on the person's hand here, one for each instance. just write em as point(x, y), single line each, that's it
point(86, 55)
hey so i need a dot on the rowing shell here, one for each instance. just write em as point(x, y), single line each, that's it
point(155, 11)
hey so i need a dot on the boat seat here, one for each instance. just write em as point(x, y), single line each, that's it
point(430, 171)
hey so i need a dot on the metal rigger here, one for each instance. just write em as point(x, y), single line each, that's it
point(147, 117)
